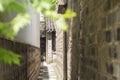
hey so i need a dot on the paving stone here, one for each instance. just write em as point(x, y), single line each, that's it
point(47, 72)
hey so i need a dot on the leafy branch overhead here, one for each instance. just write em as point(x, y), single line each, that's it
point(18, 17)
point(9, 57)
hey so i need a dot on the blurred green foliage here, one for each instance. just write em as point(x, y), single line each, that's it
point(10, 29)
point(9, 57)
point(21, 17)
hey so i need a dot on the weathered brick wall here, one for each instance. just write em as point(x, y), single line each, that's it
point(73, 41)
point(33, 63)
point(69, 46)
point(93, 41)
point(100, 20)
point(59, 54)
point(29, 62)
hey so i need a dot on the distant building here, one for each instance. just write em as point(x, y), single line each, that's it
point(50, 39)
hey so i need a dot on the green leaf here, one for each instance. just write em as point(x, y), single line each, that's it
point(19, 22)
point(6, 30)
point(1, 7)
point(9, 57)
point(16, 6)
point(5, 3)
point(11, 29)
point(61, 23)
point(69, 14)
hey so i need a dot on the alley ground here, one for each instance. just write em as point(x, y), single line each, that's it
point(47, 72)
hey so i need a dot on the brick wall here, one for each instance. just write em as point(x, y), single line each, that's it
point(93, 41)
point(100, 20)
point(59, 54)
point(74, 41)
point(71, 54)
point(29, 62)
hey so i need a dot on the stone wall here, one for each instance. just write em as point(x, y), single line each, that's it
point(73, 52)
point(92, 41)
point(100, 38)
point(29, 62)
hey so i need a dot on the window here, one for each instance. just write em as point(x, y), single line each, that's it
point(108, 36)
point(118, 34)
point(112, 52)
point(54, 41)
point(109, 68)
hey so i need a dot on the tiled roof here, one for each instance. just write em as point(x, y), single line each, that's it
point(50, 25)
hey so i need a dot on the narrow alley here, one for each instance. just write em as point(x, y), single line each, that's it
point(47, 72)
point(63, 40)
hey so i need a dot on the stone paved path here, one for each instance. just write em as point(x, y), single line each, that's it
point(47, 72)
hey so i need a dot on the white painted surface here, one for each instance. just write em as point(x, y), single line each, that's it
point(31, 33)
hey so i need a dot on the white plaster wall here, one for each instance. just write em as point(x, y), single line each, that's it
point(31, 33)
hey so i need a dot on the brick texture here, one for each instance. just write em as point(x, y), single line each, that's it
point(100, 59)
point(92, 41)
point(59, 54)
point(29, 62)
